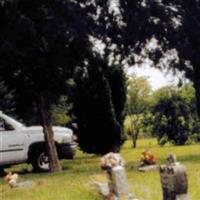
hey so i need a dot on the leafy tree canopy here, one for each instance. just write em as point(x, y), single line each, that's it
point(138, 95)
point(175, 115)
point(172, 120)
point(39, 43)
point(173, 27)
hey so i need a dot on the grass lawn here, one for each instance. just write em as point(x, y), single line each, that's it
point(74, 183)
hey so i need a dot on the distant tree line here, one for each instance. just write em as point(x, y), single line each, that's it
point(168, 113)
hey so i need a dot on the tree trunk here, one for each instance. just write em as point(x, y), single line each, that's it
point(134, 140)
point(54, 163)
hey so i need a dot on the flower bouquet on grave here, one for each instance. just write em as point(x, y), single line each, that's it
point(147, 158)
point(111, 160)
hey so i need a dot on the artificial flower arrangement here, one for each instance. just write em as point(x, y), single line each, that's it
point(11, 179)
point(147, 158)
point(111, 160)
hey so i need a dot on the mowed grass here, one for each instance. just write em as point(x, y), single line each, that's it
point(74, 183)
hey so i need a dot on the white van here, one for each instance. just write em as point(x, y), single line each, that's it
point(21, 144)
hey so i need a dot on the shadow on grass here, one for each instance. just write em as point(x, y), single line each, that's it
point(73, 166)
point(2, 172)
point(25, 170)
point(130, 166)
point(82, 167)
point(186, 158)
point(88, 160)
point(193, 158)
point(18, 171)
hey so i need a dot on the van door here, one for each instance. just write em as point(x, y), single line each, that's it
point(12, 144)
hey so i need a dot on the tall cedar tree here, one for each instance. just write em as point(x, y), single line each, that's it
point(41, 42)
point(117, 82)
point(99, 109)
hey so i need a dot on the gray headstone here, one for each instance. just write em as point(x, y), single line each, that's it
point(118, 182)
point(174, 182)
point(182, 197)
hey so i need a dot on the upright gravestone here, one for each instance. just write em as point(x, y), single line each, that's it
point(174, 180)
point(118, 184)
point(117, 181)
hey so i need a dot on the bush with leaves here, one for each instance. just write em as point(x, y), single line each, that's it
point(138, 125)
point(173, 120)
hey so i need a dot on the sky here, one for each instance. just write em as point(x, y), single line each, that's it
point(156, 77)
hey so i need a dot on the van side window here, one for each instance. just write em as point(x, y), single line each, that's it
point(4, 126)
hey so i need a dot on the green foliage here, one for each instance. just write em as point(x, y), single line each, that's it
point(138, 125)
point(117, 82)
point(187, 92)
point(99, 109)
point(139, 102)
point(61, 112)
point(39, 49)
point(163, 92)
point(172, 120)
point(6, 99)
point(59, 117)
point(175, 27)
point(133, 127)
point(138, 95)
point(176, 117)
point(172, 25)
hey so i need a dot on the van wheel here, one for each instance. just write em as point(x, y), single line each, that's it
point(41, 162)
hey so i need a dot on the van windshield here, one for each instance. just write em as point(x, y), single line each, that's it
point(10, 121)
